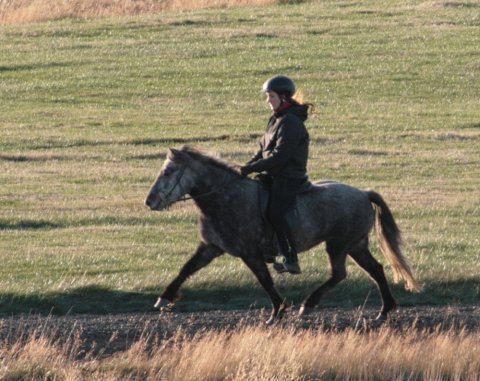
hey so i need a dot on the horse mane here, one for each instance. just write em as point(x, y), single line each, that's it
point(210, 160)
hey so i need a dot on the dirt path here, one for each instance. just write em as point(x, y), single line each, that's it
point(111, 333)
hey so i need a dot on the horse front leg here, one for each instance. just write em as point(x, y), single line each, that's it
point(204, 254)
point(260, 270)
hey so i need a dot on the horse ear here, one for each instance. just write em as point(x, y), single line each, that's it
point(176, 155)
point(171, 153)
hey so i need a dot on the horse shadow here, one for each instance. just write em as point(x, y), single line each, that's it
point(101, 300)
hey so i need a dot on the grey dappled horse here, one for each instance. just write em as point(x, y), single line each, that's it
point(231, 222)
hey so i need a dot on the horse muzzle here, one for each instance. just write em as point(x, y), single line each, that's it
point(154, 202)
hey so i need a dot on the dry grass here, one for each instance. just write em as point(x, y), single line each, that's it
point(253, 353)
point(22, 11)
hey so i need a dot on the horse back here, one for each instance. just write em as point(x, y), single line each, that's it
point(330, 210)
point(323, 210)
point(329, 197)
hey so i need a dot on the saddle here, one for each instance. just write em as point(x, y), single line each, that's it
point(264, 195)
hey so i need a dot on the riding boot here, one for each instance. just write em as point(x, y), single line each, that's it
point(290, 261)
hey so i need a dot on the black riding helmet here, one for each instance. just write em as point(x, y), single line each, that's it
point(281, 84)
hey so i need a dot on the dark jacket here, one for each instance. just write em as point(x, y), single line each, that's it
point(284, 145)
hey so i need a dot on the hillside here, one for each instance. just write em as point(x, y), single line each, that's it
point(21, 11)
point(90, 106)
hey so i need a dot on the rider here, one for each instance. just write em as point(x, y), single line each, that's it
point(283, 155)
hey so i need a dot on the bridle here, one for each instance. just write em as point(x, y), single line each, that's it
point(179, 177)
point(186, 198)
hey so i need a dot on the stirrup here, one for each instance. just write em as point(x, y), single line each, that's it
point(284, 267)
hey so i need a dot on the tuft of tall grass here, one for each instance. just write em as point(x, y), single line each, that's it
point(256, 353)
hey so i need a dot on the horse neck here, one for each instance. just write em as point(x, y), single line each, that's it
point(216, 189)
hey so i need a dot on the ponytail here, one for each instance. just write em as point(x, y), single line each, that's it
point(297, 99)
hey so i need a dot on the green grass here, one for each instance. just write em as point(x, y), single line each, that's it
point(89, 107)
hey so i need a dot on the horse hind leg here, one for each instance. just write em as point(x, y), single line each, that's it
point(364, 258)
point(336, 254)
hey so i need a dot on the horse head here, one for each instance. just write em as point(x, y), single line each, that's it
point(175, 180)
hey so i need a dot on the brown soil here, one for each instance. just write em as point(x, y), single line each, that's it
point(111, 333)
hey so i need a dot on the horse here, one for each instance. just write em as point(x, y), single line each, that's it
point(232, 221)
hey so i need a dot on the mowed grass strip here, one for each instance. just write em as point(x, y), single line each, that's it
point(90, 106)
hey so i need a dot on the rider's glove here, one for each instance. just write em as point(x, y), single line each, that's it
point(246, 170)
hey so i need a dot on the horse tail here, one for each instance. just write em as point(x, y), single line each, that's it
point(389, 239)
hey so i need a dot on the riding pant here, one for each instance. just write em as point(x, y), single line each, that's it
point(282, 196)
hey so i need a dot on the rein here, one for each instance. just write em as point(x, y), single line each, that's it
point(186, 198)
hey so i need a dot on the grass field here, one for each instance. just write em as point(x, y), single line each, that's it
point(89, 107)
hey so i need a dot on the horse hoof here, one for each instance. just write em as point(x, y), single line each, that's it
point(270, 320)
point(162, 304)
point(379, 321)
point(304, 311)
point(277, 316)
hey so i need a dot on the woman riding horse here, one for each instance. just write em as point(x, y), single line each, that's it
point(283, 155)
point(230, 222)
